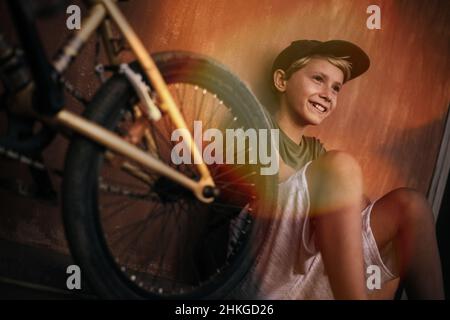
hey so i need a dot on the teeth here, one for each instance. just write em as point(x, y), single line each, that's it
point(318, 107)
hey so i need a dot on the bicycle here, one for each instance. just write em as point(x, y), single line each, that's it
point(122, 149)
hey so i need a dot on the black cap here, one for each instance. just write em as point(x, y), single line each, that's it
point(338, 48)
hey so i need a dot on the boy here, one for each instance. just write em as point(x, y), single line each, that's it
point(325, 236)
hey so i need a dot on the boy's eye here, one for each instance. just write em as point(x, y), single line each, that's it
point(337, 88)
point(318, 78)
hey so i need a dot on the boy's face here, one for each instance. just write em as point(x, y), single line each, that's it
point(311, 92)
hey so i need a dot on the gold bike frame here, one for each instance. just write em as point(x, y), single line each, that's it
point(97, 17)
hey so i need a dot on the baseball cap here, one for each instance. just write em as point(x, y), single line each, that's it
point(339, 48)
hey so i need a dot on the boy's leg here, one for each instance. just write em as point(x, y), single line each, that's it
point(335, 187)
point(404, 217)
point(387, 291)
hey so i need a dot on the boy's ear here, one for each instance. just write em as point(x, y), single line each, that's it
point(279, 80)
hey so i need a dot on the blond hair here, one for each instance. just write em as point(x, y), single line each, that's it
point(340, 62)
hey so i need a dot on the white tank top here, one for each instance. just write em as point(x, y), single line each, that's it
point(288, 266)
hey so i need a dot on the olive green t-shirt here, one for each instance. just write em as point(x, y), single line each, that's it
point(297, 155)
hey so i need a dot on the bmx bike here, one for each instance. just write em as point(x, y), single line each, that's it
point(140, 224)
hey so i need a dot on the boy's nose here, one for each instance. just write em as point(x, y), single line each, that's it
point(325, 95)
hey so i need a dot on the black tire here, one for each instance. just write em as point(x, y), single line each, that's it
point(209, 269)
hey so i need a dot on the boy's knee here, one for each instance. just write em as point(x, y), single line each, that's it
point(411, 205)
point(339, 168)
point(336, 180)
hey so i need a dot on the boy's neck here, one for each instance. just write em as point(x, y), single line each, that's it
point(292, 129)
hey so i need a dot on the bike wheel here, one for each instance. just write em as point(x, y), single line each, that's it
point(136, 234)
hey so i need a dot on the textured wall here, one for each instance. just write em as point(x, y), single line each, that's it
point(391, 119)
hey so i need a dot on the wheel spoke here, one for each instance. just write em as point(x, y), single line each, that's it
point(163, 238)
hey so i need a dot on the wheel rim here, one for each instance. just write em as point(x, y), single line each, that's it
point(158, 237)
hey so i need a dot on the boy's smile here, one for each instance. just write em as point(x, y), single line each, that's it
point(311, 92)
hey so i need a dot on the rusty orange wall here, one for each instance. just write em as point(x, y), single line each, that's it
point(391, 119)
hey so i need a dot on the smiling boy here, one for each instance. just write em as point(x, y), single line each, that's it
point(325, 234)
